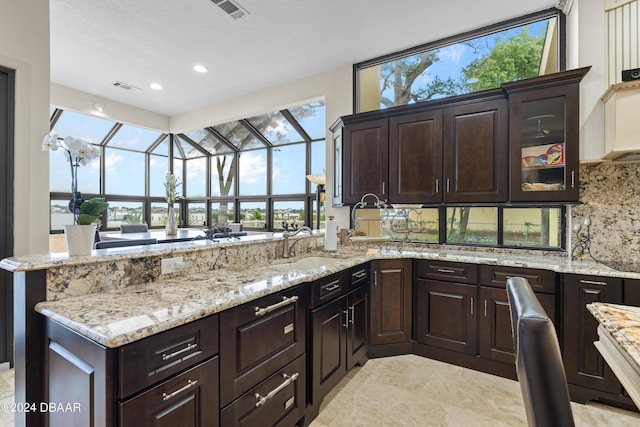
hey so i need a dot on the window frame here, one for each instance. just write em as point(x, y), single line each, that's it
point(503, 25)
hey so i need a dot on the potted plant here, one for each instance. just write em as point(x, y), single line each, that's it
point(81, 234)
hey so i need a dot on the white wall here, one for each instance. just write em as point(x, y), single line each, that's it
point(82, 102)
point(586, 42)
point(24, 47)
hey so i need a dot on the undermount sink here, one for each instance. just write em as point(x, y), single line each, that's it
point(308, 263)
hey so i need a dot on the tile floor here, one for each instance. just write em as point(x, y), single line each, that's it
point(6, 397)
point(415, 391)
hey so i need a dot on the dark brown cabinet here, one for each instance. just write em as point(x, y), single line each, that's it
point(166, 379)
point(544, 136)
point(495, 338)
point(279, 400)
point(415, 157)
point(454, 154)
point(447, 315)
point(339, 331)
point(518, 143)
point(365, 148)
point(391, 305)
point(584, 365)
point(187, 400)
point(475, 152)
point(259, 338)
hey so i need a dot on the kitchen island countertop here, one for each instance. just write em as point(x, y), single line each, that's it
point(120, 316)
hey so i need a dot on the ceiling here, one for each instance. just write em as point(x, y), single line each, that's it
point(95, 43)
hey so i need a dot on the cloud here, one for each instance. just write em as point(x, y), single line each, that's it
point(253, 167)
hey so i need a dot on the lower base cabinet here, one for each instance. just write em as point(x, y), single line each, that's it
point(391, 301)
point(339, 331)
point(187, 400)
point(277, 401)
point(447, 315)
point(583, 364)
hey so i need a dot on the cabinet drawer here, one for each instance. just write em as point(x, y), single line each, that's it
point(327, 289)
point(279, 400)
point(258, 338)
point(159, 356)
point(496, 276)
point(358, 275)
point(190, 398)
point(448, 271)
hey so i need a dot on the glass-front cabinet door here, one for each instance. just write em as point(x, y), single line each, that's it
point(544, 135)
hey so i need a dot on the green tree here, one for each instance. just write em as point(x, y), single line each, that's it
point(515, 57)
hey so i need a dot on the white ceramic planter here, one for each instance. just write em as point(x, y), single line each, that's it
point(79, 239)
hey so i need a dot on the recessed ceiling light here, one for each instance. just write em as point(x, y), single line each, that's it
point(155, 86)
point(200, 68)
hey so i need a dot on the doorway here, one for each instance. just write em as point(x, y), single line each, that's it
point(7, 102)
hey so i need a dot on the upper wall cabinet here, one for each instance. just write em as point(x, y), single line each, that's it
point(475, 152)
point(466, 149)
point(544, 137)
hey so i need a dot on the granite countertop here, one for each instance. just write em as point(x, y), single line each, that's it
point(121, 316)
point(623, 322)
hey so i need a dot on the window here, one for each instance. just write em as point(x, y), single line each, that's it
point(245, 163)
point(533, 227)
point(117, 181)
point(196, 214)
point(120, 213)
point(471, 62)
point(288, 170)
point(478, 226)
point(288, 215)
point(253, 172)
point(253, 215)
point(221, 213)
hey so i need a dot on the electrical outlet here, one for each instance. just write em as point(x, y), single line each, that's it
point(171, 265)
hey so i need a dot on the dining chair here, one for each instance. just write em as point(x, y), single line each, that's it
point(106, 244)
point(133, 228)
point(538, 359)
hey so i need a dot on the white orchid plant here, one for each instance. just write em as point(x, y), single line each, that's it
point(78, 153)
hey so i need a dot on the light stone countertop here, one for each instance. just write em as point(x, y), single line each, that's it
point(121, 316)
point(623, 323)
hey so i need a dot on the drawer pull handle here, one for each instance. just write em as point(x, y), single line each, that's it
point(593, 282)
point(330, 287)
point(190, 383)
point(346, 319)
point(179, 352)
point(285, 301)
point(485, 308)
point(287, 380)
point(472, 304)
point(360, 274)
point(446, 270)
point(352, 310)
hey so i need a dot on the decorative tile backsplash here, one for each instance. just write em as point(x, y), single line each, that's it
point(610, 196)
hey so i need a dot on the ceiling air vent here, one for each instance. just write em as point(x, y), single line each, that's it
point(231, 8)
point(126, 86)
